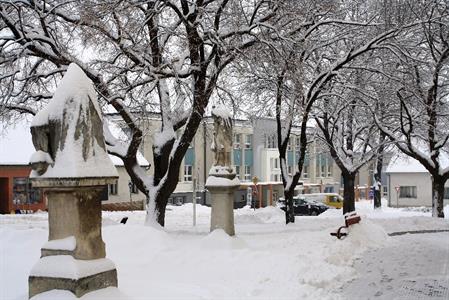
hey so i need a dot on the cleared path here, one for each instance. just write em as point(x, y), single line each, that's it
point(415, 267)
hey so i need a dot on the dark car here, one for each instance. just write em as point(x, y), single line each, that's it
point(305, 207)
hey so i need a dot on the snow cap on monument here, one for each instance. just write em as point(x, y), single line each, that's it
point(68, 132)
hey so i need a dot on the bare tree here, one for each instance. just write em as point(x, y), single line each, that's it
point(348, 129)
point(418, 125)
point(139, 54)
point(298, 71)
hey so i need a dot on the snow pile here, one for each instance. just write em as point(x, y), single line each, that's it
point(69, 108)
point(222, 181)
point(266, 215)
point(65, 266)
point(41, 156)
point(104, 294)
point(68, 243)
point(220, 170)
point(74, 86)
point(361, 237)
point(220, 240)
point(221, 111)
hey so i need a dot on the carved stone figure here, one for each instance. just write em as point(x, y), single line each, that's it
point(222, 145)
point(222, 181)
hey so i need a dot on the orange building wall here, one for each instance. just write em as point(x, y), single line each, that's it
point(7, 173)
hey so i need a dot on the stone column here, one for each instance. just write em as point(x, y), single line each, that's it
point(222, 188)
point(74, 257)
point(72, 165)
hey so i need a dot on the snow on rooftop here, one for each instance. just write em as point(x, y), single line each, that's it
point(402, 163)
point(405, 164)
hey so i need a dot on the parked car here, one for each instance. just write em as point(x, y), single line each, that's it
point(330, 199)
point(304, 207)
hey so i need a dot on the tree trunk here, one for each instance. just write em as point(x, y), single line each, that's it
point(437, 196)
point(289, 207)
point(378, 181)
point(348, 192)
point(161, 161)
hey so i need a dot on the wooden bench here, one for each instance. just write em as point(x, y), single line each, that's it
point(350, 219)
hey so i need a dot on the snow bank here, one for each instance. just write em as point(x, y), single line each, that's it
point(265, 260)
point(266, 215)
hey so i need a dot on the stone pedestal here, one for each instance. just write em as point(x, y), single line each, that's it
point(74, 258)
point(222, 188)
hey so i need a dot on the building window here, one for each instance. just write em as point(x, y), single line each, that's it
point(247, 173)
point(237, 141)
point(274, 163)
point(407, 192)
point(329, 168)
point(290, 170)
point(24, 193)
point(133, 188)
point(298, 143)
point(385, 190)
point(248, 141)
point(329, 189)
point(291, 141)
point(113, 189)
point(188, 171)
point(270, 141)
point(323, 170)
point(305, 171)
point(237, 171)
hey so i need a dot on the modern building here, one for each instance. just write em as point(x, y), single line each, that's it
point(409, 183)
point(255, 154)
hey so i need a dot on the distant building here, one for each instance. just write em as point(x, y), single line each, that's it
point(255, 154)
point(16, 192)
point(409, 183)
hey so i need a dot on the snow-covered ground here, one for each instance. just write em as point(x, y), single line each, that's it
point(266, 259)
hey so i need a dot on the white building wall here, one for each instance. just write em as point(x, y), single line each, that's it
point(423, 184)
point(123, 194)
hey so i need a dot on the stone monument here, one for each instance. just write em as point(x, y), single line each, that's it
point(72, 166)
point(222, 181)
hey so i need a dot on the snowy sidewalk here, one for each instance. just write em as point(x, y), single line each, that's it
point(414, 267)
